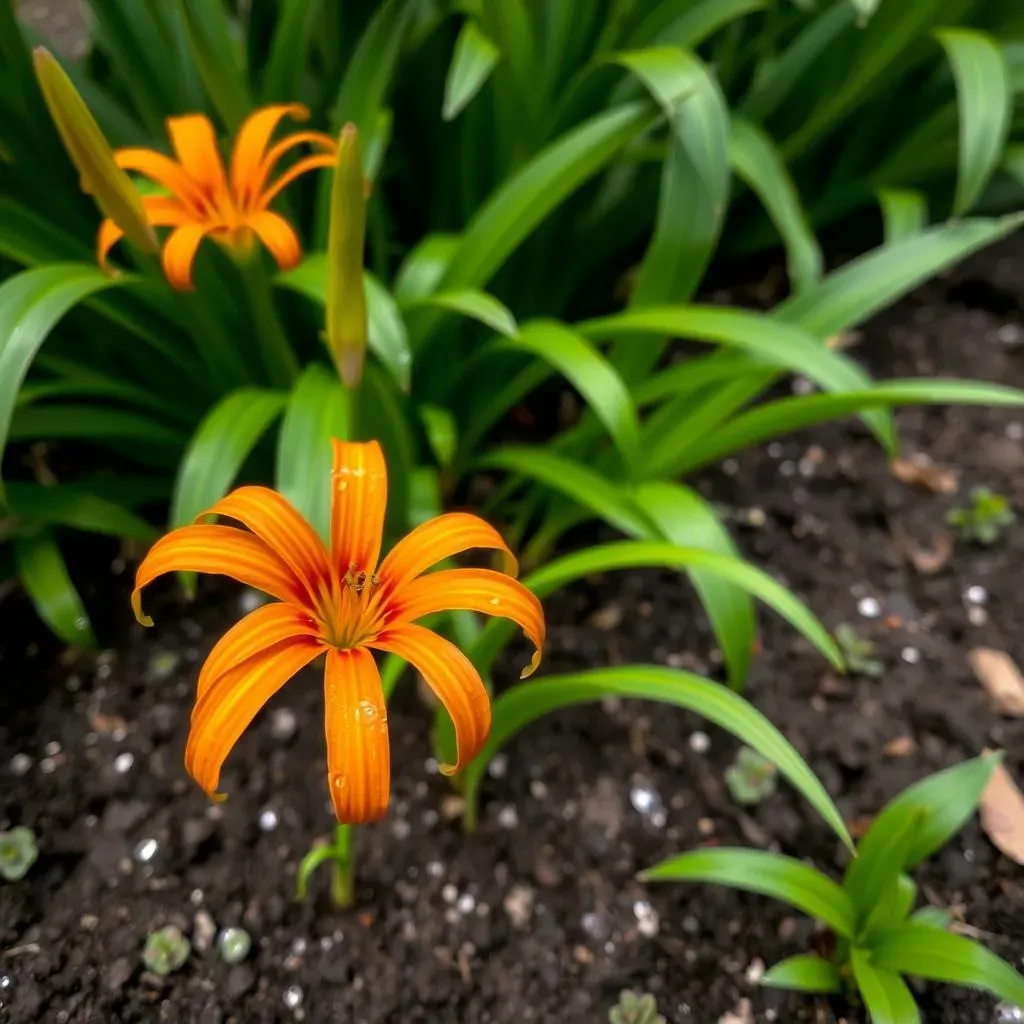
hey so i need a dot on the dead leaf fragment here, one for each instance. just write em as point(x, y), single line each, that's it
point(1003, 682)
point(902, 746)
point(741, 1015)
point(1002, 814)
point(926, 561)
point(920, 471)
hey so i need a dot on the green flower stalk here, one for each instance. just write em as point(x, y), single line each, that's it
point(91, 154)
point(346, 241)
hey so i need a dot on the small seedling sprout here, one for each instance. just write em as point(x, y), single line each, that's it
point(18, 852)
point(858, 652)
point(634, 1009)
point(984, 519)
point(166, 950)
point(751, 778)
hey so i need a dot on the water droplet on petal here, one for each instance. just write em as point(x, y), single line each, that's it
point(495, 601)
point(339, 780)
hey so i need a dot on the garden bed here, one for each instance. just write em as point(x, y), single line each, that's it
point(537, 916)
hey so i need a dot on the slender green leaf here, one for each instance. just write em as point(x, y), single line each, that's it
point(290, 48)
point(932, 917)
point(703, 19)
point(219, 448)
point(442, 433)
point(686, 519)
point(864, 9)
point(476, 305)
point(526, 198)
point(770, 874)
point(45, 578)
point(695, 176)
point(943, 803)
point(318, 409)
point(589, 489)
point(424, 266)
point(935, 955)
point(758, 162)
point(75, 506)
point(31, 303)
point(92, 423)
point(383, 415)
point(860, 288)
point(885, 994)
point(773, 85)
point(763, 337)
point(218, 58)
point(985, 105)
point(526, 702)
point(584, 366)
point(904, 213)
point(637, 554)
point(788, 414)
point(387, 335)
point(872, 879)
point(472, 63)
point(804, 973)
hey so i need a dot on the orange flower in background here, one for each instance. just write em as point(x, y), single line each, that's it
point(206, 199)
point(343, 603)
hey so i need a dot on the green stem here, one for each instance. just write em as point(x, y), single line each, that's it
point(343, 869)
point(278, 355)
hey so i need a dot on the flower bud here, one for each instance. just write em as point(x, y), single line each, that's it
point(90, 152)
point(346, 239)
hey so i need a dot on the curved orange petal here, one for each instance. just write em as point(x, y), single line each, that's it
point(164, 171)
point(280, 526)
point(278, 236)
point(356, 725)
point(359, 497)
point(230, 704)
point(107, 237)
point(260, 629)
point(222, 550)
point(195, 145)
point(300, 167)
point(474, 590)
point(251, 145)
point(180, 253)
point(161, 212)
point(450, 674)
point(434, 541)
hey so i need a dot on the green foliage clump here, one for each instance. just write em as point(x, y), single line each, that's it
point(858, 652)
point(881, 938)
point(984, 519)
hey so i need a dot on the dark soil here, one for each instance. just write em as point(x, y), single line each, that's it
point(537, 917)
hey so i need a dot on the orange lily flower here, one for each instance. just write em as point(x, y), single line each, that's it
point(342, 603)
point(206, 200)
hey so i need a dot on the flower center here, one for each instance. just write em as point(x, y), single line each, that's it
point(354, 615)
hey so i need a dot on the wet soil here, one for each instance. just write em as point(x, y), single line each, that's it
point(537, 916)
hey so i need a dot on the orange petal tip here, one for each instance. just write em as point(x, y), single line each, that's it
point(140, 616)
point(448, 769)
